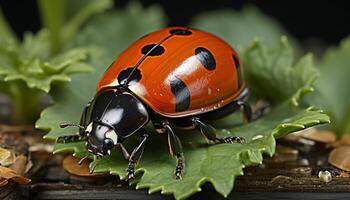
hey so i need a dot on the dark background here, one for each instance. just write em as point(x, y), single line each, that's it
point(326, 21)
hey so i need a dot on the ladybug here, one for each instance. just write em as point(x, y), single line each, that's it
point(175, 77)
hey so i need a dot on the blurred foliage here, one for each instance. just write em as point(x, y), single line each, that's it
point(115, 31)
point(333, 87)
point(30, 62)
point(218, 164)
point(239, 28)
point(273, 74)
point(29, 68)
point(63, 18)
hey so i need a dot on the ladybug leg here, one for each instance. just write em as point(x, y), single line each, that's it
point(136, 154)
point(69, 138)
point(175, 148)
point(248, 114)
point(124, 151)
point(259, 112)
point(247, 111)
point(209, 132)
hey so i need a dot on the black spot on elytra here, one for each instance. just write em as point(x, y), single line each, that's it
point(152, 50)
point(181, 93)
point(206, 58)
point(180, 32)
point(239, 70)
point(135, 76)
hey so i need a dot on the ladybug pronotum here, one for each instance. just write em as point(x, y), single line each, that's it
point(176, 76)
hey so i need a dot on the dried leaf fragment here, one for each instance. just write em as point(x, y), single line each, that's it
point(323, 136)
point(344, 141)
point(344, 174)
point(6, 157)
point(340, 157)
point(3, 182)
point(20, 164)
point(285, 154)
point(70, 164)
point(9, 174)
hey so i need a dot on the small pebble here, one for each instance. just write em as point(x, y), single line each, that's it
point(325, 176)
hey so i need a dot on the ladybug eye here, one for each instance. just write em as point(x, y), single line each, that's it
point(108, 143)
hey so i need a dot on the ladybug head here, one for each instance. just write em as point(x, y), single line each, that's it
point(114, 116)
point(101, 138)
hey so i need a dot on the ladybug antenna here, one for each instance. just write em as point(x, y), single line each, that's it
point(65, 125)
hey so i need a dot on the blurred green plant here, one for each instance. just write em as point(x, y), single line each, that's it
point(217, 164)
point(30, 67)
point(273, 73)
point(115, 31)
point(239, 28)
point(332, 89)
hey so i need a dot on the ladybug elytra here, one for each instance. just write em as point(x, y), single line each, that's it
point(173, 77)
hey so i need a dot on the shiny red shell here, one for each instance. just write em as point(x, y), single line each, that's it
point(188, 72)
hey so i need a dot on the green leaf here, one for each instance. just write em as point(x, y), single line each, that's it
point(29, 68)
point(217, 164)
point(239, 28)
point(273, 74)
point(332, 88)
point(32, 63)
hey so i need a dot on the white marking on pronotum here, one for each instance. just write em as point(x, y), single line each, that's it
point(109, 152)
point(89, 128)
point(111, 134)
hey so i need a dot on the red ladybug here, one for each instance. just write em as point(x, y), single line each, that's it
point(173, 77)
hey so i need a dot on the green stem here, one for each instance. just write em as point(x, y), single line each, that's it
point(52, 17)
point(25, 103)
point(83, 14)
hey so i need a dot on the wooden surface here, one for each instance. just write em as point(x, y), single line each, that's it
point(290, 174)
point(258, 183)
